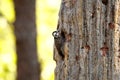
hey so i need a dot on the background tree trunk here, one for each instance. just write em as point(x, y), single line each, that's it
point(90, 33)
point(25, 32)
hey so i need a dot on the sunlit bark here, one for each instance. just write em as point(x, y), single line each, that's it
point(92, 50)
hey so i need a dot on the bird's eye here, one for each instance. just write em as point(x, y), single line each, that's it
point(55, 34)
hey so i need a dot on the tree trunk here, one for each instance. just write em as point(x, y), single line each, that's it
point(25, 32)
point(89, 39)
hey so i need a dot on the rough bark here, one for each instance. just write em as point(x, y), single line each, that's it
point(91, 45)
point(25, 32)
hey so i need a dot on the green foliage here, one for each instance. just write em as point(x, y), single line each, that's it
point(7, 51)
point(7, 9)
point(47, 17)
point(7, 41)
point(46, 20)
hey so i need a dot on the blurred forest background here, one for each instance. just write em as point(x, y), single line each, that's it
point(46, 21)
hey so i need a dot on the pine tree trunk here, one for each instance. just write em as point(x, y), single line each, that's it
point(89, 34)
point(25, 32)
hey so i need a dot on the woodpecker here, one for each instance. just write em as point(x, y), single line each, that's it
point(59, 42)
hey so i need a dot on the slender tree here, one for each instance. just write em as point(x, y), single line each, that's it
point(25, 32)
point(87, 40)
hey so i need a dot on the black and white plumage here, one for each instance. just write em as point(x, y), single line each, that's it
point(59, 40)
